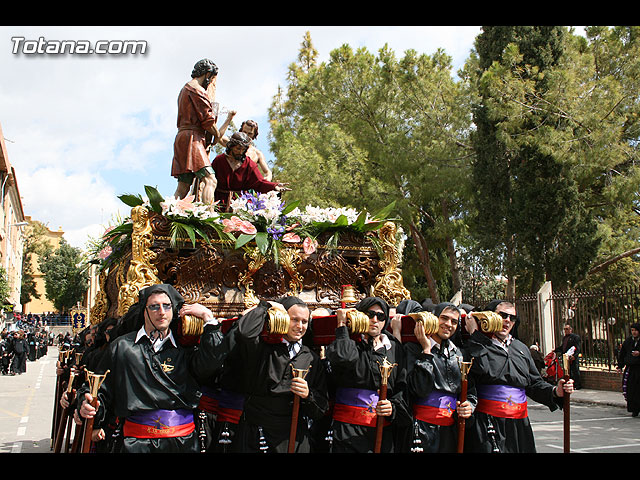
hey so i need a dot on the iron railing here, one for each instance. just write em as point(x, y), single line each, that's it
point(602, 319)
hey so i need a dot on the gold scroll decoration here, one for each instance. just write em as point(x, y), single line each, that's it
point(290, 258)
point(142, 273)
point(255, 260)
point(389, 285)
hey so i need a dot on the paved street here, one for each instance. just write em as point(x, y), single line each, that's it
point(26, 407)
point(600, 422)
point(595, 428)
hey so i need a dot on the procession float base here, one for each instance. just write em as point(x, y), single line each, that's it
point(228, 280)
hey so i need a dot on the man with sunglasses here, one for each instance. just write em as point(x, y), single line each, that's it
point(504, 375)
point(355, 371)
point(434, 384)
point(151, 382)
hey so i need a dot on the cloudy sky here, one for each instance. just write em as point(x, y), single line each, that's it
point(82, 129)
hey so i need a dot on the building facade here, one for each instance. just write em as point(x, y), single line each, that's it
point(12, 225)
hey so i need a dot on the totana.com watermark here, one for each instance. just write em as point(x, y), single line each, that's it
point(41, 46)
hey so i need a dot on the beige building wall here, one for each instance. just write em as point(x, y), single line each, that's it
point(12, 224)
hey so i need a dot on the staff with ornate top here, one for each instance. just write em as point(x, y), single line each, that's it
point(464, 385)
point(385, 371)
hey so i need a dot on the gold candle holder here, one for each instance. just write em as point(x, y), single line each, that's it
point(566, 363)
point(300, 372)
point(63, 356)
point(95, 381)
point(385, 369)
point(464, 368)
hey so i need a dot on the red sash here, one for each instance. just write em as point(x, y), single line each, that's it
point(434, 415)
point(502, 401)
point(160, 424)
point(139, 430)
point(223, 414)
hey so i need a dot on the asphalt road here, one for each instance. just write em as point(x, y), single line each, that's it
point(599, 421)
point(26, 407)
point(594, 428)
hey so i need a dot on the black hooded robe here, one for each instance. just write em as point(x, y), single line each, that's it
point(266, 419)
point(141, 380)
point(436, 373)
point(356, 365)
point(512, 367)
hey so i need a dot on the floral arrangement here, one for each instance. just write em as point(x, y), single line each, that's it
point(262, 218)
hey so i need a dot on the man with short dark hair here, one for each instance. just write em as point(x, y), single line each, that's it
point(434, 384)
point(151, 385)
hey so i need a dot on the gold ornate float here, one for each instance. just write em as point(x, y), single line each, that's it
point(228, 279)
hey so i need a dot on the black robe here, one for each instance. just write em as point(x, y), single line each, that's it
point(355, 364)
point(142, 380)
point(266, 379)
point(631, 371)
point(493, 365)
point(225, 375)
point(438, 371)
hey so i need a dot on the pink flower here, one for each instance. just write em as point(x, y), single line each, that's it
point(309, 245)
point(186, 202)
point(290, 237)
point(236, 224)
point(105, 252)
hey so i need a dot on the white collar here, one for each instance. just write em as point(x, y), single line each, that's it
point(503, 343)
point(384, 342)
point(157, 345)
point(294, 347)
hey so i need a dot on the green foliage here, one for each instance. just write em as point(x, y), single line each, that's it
point(65, 278)
point(5, 288)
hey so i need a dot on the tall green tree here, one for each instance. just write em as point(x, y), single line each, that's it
point(66, 278)
point(528, 199)
point(363, 130)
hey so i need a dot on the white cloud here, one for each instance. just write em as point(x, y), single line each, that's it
point(83, 129)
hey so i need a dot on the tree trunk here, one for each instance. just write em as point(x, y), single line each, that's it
point(451, 251)
point(423, 254)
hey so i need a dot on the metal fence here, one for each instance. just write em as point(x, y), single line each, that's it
point(602, 319)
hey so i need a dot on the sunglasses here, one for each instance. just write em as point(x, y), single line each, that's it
point(156, 307)
point(513, 318)
point(379, 315)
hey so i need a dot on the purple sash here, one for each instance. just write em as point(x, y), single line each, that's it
point(502, 401)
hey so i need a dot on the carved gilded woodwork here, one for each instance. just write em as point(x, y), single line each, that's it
point(389, 284)
point(228, 281)
point(141, 273)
